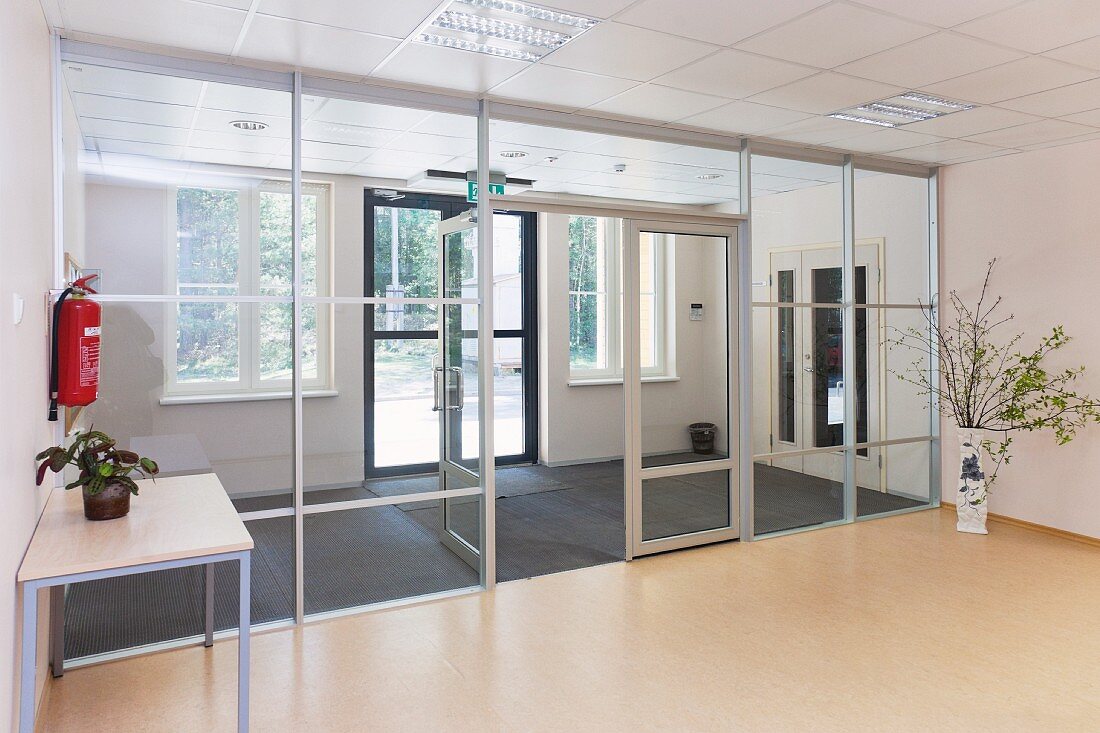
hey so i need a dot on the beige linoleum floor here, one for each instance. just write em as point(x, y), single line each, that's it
point(898, 624)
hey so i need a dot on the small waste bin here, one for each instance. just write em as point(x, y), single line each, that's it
point(702, 436)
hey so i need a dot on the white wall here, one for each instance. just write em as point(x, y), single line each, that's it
point(26, 254)
point(1037, 213)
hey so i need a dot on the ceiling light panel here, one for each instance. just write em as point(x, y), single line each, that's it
point(503, 28)
point(902, 109)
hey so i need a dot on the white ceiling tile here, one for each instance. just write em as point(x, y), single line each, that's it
point(834, 35)
point(1038, 25)
point(691, 155)
point(660, 103)
point(627, 52)
point(588, 8)
point(321, 165)
point(587, 162)
point(152, 150)
point(252, 99)
point(744, 118)
point(1033, 133)
point(449, 125)
point(734, 74)
point(132, 110)
point(1083, 53)
point(971, 122)
point(195, 26)
point(789, 168)
point(428, 143)
point(364, 114)
point(626, 180)
point(1066, 141)
point(826, 92)
point(334, 151)
point(1060, 102)
point(948, 151)
point(1007, 81)
point(333, 132)
point(812, 131)
point(242, 141)
point(116, 130)
point(930, 59)
point(547, 137)
point(561, 87)
point(219, 121)
point(384, 17)
point(944, 13)
point(308, 45)
point(229, 157)
point(713, 20)
point(408, 158)
point(633, 148)
point(549, 173)
point(378, 170)
point(1091, 117)
point(883, 141)
point(86, 78)
point(463, 71)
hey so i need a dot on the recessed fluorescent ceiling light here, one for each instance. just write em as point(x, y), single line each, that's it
point(936, 101)
point(864, 120)
point(249, 125)
point(899, 110)
point(505, 29)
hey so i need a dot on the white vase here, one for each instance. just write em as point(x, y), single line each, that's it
point(972, 499)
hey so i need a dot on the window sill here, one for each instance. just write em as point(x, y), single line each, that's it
point(202, 399)
point(601, 381)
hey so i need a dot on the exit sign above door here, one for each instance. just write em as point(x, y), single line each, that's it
point(496, 189)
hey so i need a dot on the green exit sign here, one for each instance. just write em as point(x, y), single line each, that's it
point(495, 189)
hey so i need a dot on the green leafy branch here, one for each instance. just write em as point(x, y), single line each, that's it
point(100, 463)
point(989, 383)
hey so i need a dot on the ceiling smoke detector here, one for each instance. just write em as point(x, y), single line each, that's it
point(249, 125)
point(503, 28)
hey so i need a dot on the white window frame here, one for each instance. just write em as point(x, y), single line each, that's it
point(609, 237)
point(249, 383)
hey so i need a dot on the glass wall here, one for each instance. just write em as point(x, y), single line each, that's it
point(811, 453)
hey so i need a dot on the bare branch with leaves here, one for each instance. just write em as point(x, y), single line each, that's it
point(987, 382)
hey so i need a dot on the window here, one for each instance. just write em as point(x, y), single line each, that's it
point(239, 242)
point(596, 301)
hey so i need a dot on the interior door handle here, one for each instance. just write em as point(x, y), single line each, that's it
point(437, 376)
point(808, 369)
point(460, 389)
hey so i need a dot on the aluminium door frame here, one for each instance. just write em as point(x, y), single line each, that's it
point(449, 207)
point(634, 472)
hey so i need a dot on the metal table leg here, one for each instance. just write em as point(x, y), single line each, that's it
point(208, 582)
point(57, 630)
point(244, 641)
point(27, 661)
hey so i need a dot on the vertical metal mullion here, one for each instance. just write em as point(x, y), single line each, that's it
point(632, 386)
point(487, 459)
point(746, 485)
point(848, 321)
point(935, 448)
point(296, 227)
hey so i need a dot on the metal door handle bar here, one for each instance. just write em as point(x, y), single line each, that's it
point(437, 376)
point(460, 389)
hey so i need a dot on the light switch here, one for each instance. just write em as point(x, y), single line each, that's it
point(16, 308)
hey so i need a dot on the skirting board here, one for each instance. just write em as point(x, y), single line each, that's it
point(1053, 531)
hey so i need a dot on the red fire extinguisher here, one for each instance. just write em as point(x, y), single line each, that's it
point(74, 361)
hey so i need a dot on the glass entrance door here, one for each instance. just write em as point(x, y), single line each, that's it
point(455, 377)
point(680, 332)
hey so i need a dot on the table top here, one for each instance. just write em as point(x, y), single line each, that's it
point(171, 519)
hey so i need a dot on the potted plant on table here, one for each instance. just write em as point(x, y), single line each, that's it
point(105, 472)
point(992, 389)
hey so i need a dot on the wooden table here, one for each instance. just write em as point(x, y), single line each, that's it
point(174, 522)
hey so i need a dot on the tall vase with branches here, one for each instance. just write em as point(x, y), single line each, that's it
point(992, 389)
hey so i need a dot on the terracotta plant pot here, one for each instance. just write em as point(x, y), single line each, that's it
point(111, 503)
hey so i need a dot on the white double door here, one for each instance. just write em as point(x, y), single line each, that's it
point(808, 384)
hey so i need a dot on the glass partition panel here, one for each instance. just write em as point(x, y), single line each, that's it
point(370, 555)
point(891, 211)
point(797, 492)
